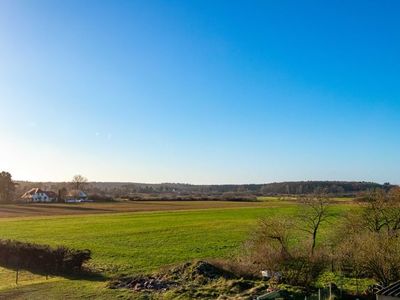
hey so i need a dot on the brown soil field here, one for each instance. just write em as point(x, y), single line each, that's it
point(54, 209)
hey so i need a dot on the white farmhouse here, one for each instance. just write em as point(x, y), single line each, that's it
point(38, 195)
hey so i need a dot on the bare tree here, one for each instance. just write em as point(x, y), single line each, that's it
point(373, 215)
point(268, 246)
point(314, 212)
point(79, 181)
point(274, 247)
point(368, 242)
point(382, 211)
point(372, 254)
point(276, 229)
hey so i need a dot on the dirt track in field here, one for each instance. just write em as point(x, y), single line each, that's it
point(54, 209)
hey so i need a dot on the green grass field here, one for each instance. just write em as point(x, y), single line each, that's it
point(133, 243)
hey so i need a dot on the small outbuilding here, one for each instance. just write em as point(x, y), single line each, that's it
point(76, 196)
point(391, 292)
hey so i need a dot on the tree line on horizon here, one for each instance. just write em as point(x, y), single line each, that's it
point(10, 189)
point(119, 189)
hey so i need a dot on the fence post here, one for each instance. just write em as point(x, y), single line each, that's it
point(16, 276)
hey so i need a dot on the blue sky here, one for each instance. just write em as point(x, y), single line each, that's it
point(200, 91)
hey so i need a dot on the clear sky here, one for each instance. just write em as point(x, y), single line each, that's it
point(200, 91)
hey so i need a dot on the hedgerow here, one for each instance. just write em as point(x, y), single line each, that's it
point(42, 259)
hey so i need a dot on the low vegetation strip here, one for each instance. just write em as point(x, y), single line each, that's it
point(58, 209)
point(42, 259)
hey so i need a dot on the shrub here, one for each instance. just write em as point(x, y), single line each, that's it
point(274, 247)
point(42, 259)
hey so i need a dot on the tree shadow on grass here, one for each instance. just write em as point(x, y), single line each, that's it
point(87, 275)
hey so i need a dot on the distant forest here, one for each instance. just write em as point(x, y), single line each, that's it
point(130, 190)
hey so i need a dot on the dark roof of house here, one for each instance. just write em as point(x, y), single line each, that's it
point(76, 193)
point(391, 290)
point(51, 194)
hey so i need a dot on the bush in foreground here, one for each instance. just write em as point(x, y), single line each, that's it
point(42, 259)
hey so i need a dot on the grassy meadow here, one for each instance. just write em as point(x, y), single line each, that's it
point(129, 243)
